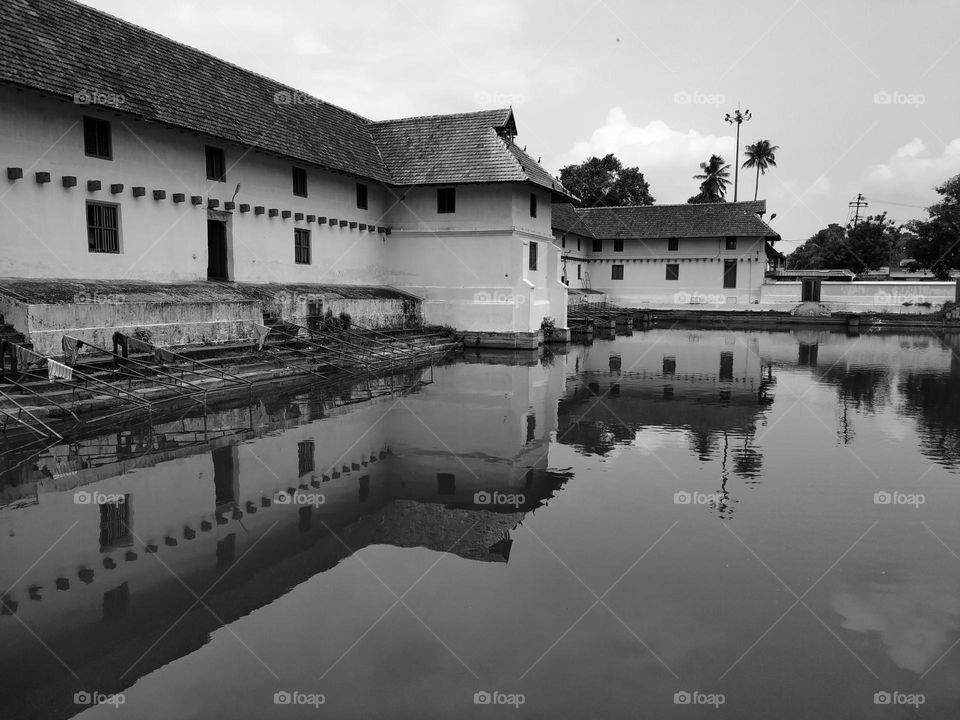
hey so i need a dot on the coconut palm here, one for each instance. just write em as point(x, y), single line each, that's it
point(714, 179)
point(761, 156)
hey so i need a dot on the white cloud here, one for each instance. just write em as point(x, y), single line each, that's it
point(668, 158)
point(911, 173)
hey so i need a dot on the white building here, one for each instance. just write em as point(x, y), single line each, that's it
point(128, 156)
point(667, 255)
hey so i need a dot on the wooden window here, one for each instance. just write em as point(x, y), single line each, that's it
point(97, 140)
point(305, 455)
point(726, 366)
point(729, 273)
point(731, 243)
point(103, 227)
point(446, 200)
point(362, 196)
point(579, 275)
point(673, 271)
point(299, 182)
point(563, 241)
point(616, 272)
point(216, 164)
point(618, 245)
point(533, 256)
point(301, 246)
point(598, 245)
point(578, 244)
point(533, 205)
point(673, 244)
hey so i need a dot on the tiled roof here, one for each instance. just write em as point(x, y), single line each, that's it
point(463, 148)
point(687, 220)
point(63, 48)
point(565, 218)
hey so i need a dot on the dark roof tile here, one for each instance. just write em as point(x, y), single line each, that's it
point(688, 220)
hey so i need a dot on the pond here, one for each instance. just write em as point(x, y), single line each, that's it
point(674, 523)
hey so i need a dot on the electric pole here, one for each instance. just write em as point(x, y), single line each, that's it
point(860, 202)
point(739, 118)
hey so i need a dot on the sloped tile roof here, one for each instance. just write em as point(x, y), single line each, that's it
point(63, 48)
point(565, 218)
point(461, 148)
point(687, 220)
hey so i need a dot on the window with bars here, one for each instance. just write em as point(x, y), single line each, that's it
point(446, 200)
point(299, 182)
point(216, 164)
point(618, 245)
point(673, 244)
point(731, 242)
point(673, 271)
point(362, 196)
point(305, 456)
point(97, 139)
point(301, 246)
point(533, 256)
point(616, 272)
point(103, 227)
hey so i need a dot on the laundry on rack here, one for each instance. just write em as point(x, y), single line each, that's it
point(162, 355)
point(58, 371)
point(27, 357)
point(71, 348)
point(261, 332)
point(133, 344)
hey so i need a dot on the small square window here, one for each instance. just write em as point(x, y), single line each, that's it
point(446, 200)
point(301, 246)
point(616, 272)
point(103, 227)
point(673, 244)
point(618, 245)
point(97, 141)
point(598, 245)
point(299, 182)
point(673, 271)
point(533, 205)
point(216, 164)
point(731, 243)
point(533, 256)
point(362, 196)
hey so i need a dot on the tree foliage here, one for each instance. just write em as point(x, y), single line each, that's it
point(761, 155)
point(935, 245)
point(715, 177)
point(601, 182)
point(872, 243)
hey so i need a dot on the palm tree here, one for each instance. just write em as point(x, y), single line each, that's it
point(715, 180)
point(761, 156)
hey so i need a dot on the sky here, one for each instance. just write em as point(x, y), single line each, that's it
point(860, 96)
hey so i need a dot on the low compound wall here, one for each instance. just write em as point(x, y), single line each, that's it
point(864, 296)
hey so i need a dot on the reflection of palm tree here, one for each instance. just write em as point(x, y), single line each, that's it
point(761, 156)
point(714, 179)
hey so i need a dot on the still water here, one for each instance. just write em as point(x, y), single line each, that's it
point(675, 524)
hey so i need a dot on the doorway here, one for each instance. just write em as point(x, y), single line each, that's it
point(217, 250)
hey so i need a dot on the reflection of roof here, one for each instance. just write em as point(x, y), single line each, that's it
point(651, 222)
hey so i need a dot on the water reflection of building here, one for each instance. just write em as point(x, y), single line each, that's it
point(400, 470)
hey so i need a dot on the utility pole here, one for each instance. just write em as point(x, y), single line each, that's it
point(860, 202)
point(739, 118)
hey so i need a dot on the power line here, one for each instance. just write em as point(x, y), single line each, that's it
point(860, 202)
point(899, 204)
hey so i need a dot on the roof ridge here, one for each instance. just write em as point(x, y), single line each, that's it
point(443, 115)
point(208, 55)
point(669, 205)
